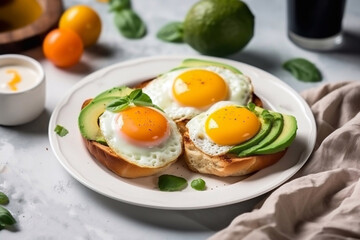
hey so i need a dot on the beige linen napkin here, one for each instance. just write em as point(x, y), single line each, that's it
point(322, 201)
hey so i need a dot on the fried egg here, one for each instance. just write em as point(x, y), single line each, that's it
point(184, 93)
point(222, 127)
point(142, 135)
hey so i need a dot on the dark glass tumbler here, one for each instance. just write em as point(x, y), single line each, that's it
point(316, 24)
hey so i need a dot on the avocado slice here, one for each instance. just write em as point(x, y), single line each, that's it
point(114, 92)
point(89, 115)
point(192, 62)
point(285, 138)
point(263, 132)
point(275, 131)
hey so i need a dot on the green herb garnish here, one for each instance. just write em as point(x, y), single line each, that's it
point(61, 131)
point(170, 183)
point(198, 184)
point(3, 199)
point(251, 106)
point(136, 97)
point(118, 5)
point(6, 219)
point(126, 20)
point(267, 116)
point(303, 70)
point(171, 32)
point(130, 24)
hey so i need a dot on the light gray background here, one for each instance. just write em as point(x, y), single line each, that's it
point(49, 204)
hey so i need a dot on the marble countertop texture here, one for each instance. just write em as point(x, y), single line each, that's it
point(49, 204)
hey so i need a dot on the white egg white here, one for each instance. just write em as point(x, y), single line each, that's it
point(157, 156)
point(160, 91)
point(197, 133)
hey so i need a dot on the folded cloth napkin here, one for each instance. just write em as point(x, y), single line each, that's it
point(322, 201)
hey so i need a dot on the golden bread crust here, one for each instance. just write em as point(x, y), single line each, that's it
point(227, 164)
point(118, 165)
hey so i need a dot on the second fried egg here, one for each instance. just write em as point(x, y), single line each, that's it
point(186, 92)
point(222, 127)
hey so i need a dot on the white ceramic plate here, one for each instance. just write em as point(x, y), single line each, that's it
point(74, 157)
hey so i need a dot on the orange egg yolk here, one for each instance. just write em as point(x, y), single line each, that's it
point(143, 126)
point(231, 125)
point(199, 88)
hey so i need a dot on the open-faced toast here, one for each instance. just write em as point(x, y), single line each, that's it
point(240, 160)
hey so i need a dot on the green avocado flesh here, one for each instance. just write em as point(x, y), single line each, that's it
point(276, 128)
point(285, 138)
point(191, 62)
point(263, 132)
point(114, 92)
point(89, 115)
point(274, 135)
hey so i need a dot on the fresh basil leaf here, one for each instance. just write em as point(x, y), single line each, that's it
point(141, 103)
point(251, 106)
point(146, 104)
point(61, 131)
point(135, 94)
point(158, 108)
point(267, 115)
point(118, 101)
point(136, 97)
point(119, 107)
point(3, 198)
point(129, 24)
point(118, 5)
point(265, 112)
point(170, 183)
point(144, 98)
point(6, 219)
point(198, 184)
point(171, 32)
point(303, 70)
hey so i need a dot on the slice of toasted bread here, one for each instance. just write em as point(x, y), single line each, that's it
point(224, 165)
point(120, 166)
point(104, 155)
point(227, 164)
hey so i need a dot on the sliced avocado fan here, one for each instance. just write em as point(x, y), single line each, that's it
point(275, 135)
point(275, 131)
point(285, 138)
point(265, 128)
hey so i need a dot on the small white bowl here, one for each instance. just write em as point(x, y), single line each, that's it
point(25, 104)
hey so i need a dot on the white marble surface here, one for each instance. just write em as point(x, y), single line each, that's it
point(49, 204)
